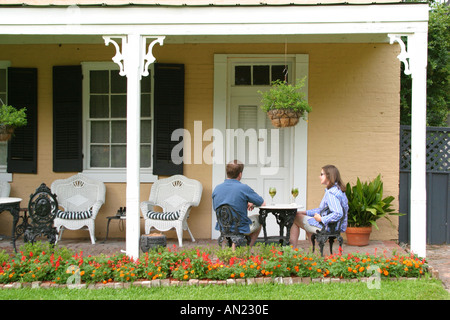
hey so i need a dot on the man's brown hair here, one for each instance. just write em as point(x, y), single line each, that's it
point(234, 168)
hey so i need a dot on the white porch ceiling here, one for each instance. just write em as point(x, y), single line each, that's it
point(197, 24)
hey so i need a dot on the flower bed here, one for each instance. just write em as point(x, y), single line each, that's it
point(41, 262)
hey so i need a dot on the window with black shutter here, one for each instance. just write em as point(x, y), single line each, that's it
point(22, 148)
point(67, 119)
point(168, 116)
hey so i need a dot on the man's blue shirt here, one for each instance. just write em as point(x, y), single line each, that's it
point(237, 195)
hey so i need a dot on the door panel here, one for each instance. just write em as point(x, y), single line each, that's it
point(264, 150)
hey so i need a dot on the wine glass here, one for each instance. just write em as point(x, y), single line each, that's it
point(272, 192)
point(294, 193)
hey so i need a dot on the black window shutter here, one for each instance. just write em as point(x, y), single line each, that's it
point(67, 119)
point(22, 148)
point(168, 116)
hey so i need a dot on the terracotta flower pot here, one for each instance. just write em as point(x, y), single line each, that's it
point(358, 236)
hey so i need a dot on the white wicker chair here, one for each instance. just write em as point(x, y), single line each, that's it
point(5, 189)
point(81, 199)
point(176, 196)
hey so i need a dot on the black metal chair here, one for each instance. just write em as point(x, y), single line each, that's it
point(333, 233)
point(229, 222)
point(42, 209)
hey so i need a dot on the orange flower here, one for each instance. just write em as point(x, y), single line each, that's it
point(361, 269)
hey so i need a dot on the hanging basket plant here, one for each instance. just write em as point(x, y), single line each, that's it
point(285, 103)
point(11, 118)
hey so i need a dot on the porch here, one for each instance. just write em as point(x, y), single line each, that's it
point(203, 39)
point(118, 245)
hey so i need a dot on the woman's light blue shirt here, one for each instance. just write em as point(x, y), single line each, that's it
point(337, 202)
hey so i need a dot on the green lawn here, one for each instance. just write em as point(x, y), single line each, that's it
point(389, 290)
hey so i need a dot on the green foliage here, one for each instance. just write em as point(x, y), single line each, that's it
point(438, 70)
point(285, 96)
point(366, 203)
point(11, 116)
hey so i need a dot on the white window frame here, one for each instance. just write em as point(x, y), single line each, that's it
point(107, 174)
point(3, 174)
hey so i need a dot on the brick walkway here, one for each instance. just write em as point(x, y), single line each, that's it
point(438, 255)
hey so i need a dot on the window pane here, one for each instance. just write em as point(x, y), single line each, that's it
point(118, 106)
point(100, 132)
point(146, 156)
point(118, 156)
point(145, 105)
point(278, 73)
point(99, 107)
point(242, 75)
point(118, 131)
point(107, 119)
point(3, 97)
point(118, 83)
point(99, 81)
point(3, 81)
point(146, 131)
point(100, 156)
point(146, 84)
point(261, 75)
point(3, 153)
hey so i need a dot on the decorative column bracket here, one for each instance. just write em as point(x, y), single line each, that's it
point(146, 56)
point(404, 55)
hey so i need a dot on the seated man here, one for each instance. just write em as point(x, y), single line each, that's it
point(239, 196)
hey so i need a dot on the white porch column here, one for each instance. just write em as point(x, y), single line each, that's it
point(133, 62)
point(417, 45)
point(417, 55)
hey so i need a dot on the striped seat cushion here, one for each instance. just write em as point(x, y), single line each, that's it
point(74, 215)
point(163, 215)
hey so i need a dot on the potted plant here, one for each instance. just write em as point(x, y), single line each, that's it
point(366, 205)
point(285, 103)
point(11, 118)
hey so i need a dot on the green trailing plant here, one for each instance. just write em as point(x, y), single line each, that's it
point(282, 95)
point(10, 116)
point(366, 203)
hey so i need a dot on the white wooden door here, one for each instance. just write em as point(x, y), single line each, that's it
point(264, 150)
point(237, 79)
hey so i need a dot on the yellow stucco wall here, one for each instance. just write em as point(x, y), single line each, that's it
point(353, 89)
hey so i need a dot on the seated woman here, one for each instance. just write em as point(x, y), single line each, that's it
point(334, 198)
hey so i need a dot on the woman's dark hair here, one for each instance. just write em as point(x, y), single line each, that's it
point(333, 176)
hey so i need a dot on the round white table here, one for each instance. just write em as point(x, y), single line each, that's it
point(13, 206)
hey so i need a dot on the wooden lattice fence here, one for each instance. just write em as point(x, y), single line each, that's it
point(438, 184)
